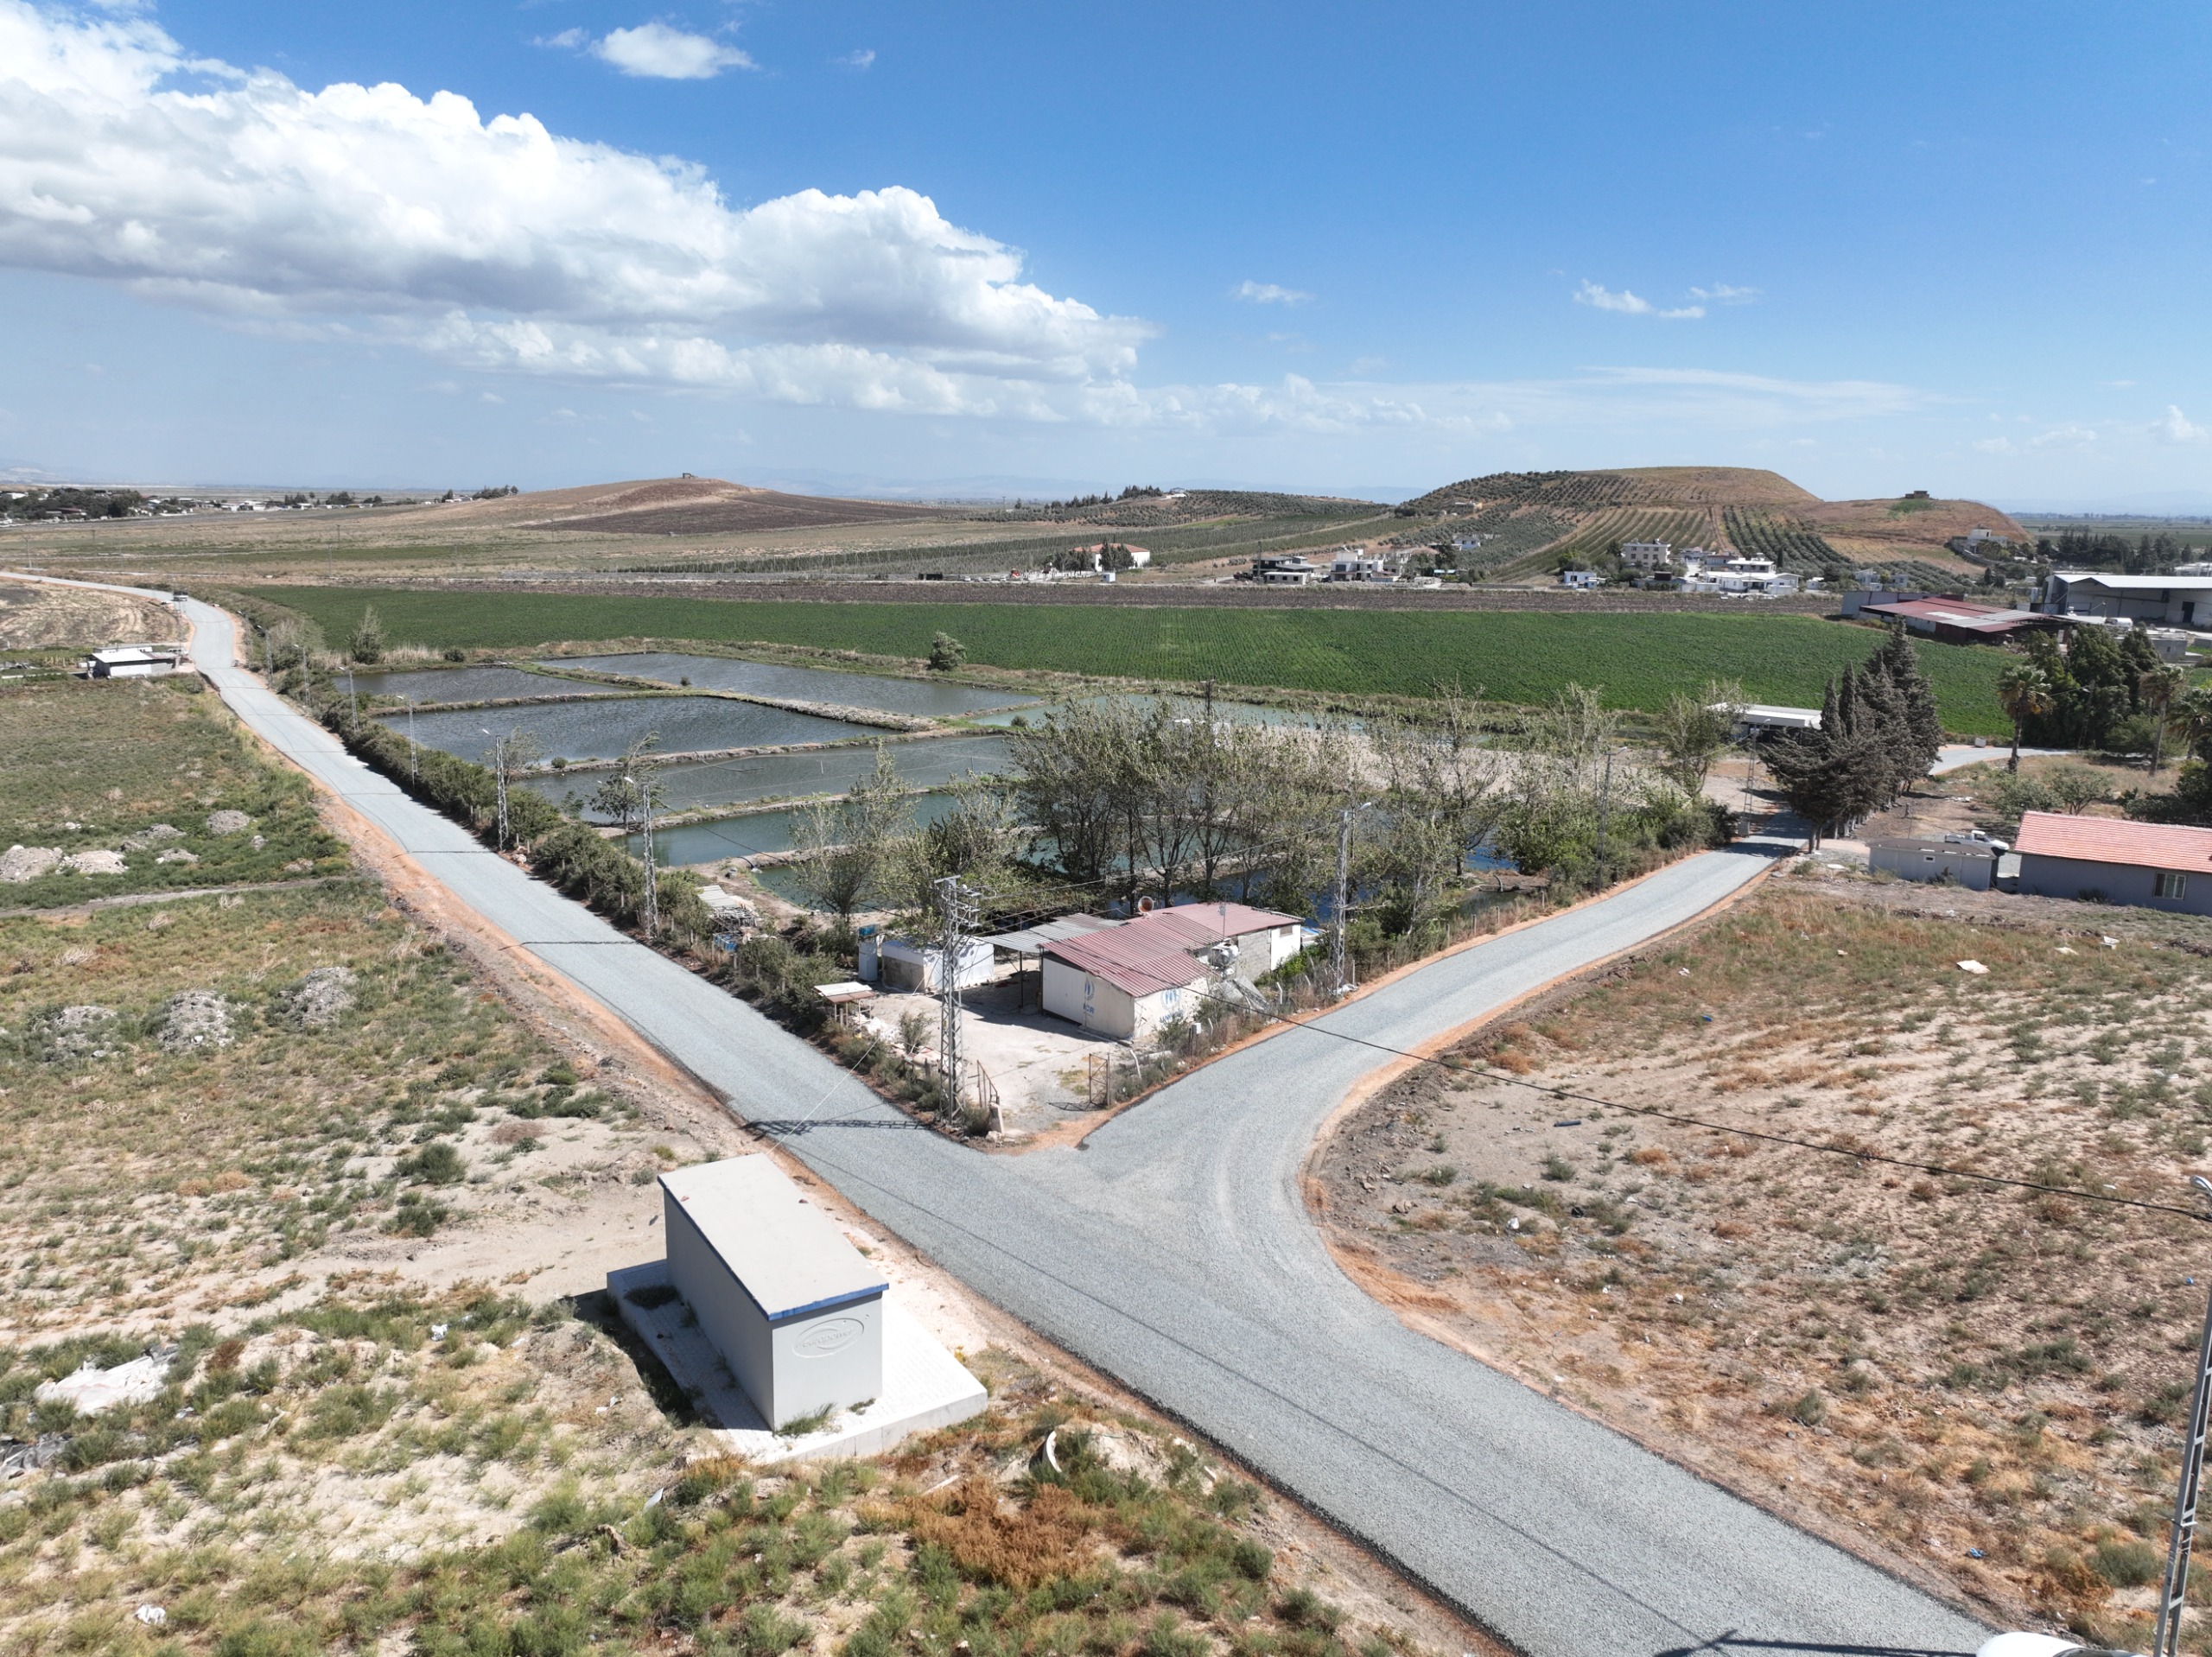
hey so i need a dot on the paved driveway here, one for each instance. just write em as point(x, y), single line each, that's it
point(1172, 1252)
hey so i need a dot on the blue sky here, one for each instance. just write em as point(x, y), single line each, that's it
point(1875, 247)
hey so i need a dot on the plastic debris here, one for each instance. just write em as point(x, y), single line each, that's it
point(92, 1389)
point(2109, 943)
point(653, 1501)
point(1572, 1121)
point(1974, 966)
point(152, 1615)
point(18, 1457)
point(1976, 1554)
point(437, 1331)
point(2063, 950)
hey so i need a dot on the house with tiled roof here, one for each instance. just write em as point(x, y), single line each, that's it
point(2109, 860)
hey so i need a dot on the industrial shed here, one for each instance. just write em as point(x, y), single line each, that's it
point(1126, 981)
point(1971, 864)
point(794, 1310)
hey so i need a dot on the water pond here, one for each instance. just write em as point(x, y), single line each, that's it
point(749, 836)
point(799, 684)
point(930, 764)
point(466, 684)
point(603, 729)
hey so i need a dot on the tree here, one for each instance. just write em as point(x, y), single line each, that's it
point(2025, 690)
point(2073, 787)
point(946, 653)
point(366, 644)
point(1693, 730)
point(509, 757)
point(847, 845)
point(631, 795)
point(2161, 687)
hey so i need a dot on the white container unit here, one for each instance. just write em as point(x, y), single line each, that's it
point(794, 1310)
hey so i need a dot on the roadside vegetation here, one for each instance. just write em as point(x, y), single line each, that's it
point(1520, 658)
point(1986, 1383)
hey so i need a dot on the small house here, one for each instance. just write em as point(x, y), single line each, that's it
point(2108, 860)
point(1580, 580)
point(1126, 981)
point(133, 662)
point(1968, 863)
point(900, 964)
point(792, 1307)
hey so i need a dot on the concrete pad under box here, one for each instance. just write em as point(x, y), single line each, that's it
point(924, 1386)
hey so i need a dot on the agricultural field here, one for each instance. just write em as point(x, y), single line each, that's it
point(1512, 656)
point(1789, 544)
point(1978, 1383)
point(116, 786)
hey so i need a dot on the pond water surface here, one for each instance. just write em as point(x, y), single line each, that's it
point(468, 684)
point(799, 684)
point(603, 729)
point(749, 836)
point(932, 763)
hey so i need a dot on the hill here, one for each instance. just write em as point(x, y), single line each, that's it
point(685, 505)
point(1528, 519)
point(1147, 508)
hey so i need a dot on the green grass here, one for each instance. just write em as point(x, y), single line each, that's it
point(1512, 656)
point(90, 765)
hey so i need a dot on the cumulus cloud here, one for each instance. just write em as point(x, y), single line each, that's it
point(2064, 437)
point(2177, 427)
point(655, 51)
point(1266, 293)
point(1995, 446)
point(1721, 294)
point(367, 211)
point(1628, 304)
point(863, 59)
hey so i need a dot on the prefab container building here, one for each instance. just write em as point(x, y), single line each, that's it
point(1969, 863)
point(794, 1310)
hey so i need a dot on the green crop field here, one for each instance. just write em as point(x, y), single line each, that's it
point(1510, 655)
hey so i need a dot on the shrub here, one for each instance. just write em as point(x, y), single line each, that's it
point(436, 1164)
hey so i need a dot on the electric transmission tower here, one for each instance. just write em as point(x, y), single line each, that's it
point(957, 913)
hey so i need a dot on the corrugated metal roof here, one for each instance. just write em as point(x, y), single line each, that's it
point(1032, 940)
point(1142, 959)
point(2112, 840)
point(1152, 952)
point(1956, 612)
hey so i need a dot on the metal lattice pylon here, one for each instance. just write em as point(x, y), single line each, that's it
point(2166, 1641)
point(957, 914)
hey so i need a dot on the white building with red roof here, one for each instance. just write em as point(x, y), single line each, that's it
point(2155, 865)
point(1126, 981)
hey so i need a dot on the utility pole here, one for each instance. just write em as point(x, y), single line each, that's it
point(1605, 817)
point(353, 698)
point(957, 911)
point(2166, 1641)
point(638, 773)
point(414, 753)
point(1339, 955)
point(501, 758)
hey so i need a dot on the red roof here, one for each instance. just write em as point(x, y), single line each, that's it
point(1152, 952)
point(1142, 959)
point(2113, 840)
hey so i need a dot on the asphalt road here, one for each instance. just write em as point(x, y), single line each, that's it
point(1173, 1252)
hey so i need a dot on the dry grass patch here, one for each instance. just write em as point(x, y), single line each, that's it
point(1982, 1383)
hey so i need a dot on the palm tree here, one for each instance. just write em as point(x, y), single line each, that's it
point(2161, 687)
point(2025, 689)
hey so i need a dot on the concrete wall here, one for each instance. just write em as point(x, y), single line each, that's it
point(833, 1357)
point(2118, 882)
point(726, 1312)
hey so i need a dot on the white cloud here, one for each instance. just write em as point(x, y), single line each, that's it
point(1721, 294)
point(656, 52)
point(1995, 446)
point(2064, 437)
point(865, 58)
point(1628, 304)
point(1266, 293)
point(2178, 428)
point(369, 213)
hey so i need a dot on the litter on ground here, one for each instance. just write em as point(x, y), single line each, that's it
point(92, 1389)
point(1972, 967)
